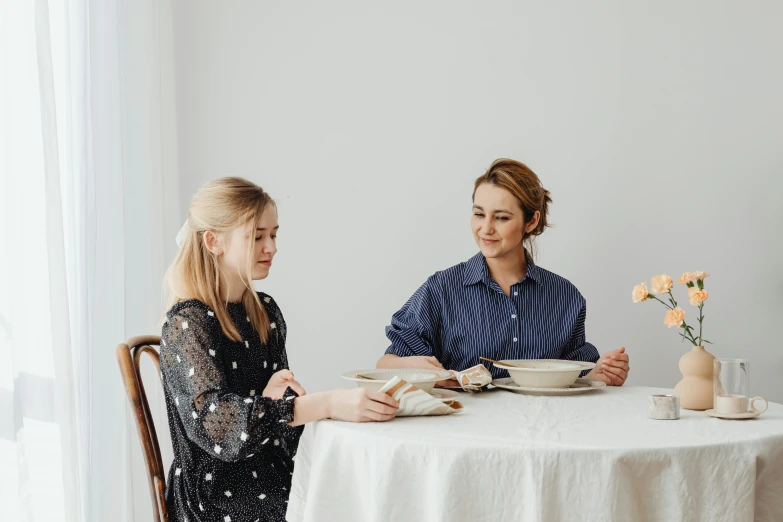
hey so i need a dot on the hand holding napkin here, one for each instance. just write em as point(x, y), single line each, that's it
point(414, 401)
point(473, 379)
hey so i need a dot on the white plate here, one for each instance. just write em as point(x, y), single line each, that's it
point(734, 416)
point(444, 395)
point(423, 379)
point(580, 386)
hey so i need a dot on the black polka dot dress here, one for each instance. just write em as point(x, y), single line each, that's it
point(233, 448)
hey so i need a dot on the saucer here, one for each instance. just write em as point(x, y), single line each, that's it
point(375, 378)
point(734, 416)
point(580, 386)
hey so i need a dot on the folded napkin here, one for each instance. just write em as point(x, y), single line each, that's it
point(414, 401)
point(473, 379)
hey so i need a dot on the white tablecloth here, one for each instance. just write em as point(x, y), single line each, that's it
point(590, 457)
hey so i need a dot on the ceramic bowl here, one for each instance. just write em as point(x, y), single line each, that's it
point(544, 373)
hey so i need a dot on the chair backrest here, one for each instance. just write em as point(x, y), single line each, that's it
point(129, 356)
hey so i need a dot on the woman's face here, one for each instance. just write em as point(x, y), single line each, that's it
point(263, 237)
point(498, 222)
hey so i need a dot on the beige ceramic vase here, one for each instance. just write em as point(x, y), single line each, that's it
point(695, 389)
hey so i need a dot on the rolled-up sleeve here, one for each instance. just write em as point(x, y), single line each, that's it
point(578, 349)
point(415, 328)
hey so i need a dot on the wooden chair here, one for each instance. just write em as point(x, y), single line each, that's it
point(129, 357)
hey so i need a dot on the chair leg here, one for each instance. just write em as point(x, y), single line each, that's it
point(163, 511)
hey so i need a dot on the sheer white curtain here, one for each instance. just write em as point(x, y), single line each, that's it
point(88, 212)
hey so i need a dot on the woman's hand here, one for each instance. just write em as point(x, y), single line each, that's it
point(278, 383)
point(361, 405)
point(612, 368)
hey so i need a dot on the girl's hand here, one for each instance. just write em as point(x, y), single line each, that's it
point(278, 383)
point(361, 405)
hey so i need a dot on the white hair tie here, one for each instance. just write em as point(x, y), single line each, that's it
point(181, 234)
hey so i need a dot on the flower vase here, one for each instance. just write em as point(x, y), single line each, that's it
point(696, 387)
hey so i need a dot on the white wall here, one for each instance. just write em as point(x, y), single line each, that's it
point(656, 126)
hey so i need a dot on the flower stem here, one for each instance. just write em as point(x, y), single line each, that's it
point(701, 318)
point(664, 304)
point(690, 336)
point(689, 339)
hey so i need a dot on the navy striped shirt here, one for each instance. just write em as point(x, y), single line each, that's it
point(461, 313)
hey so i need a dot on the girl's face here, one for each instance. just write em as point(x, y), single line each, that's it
point(498, 222)
point(262, 236)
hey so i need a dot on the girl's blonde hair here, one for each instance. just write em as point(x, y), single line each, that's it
point(220, 206)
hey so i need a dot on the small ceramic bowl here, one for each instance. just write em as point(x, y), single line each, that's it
point(423, 379)
point(544, 373)
point(663, 407)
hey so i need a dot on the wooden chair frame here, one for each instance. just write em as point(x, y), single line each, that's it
point(129, 356)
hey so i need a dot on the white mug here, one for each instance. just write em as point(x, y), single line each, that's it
point(738, 404)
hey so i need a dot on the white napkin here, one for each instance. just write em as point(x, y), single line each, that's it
point(473, 379)
point(414, 401)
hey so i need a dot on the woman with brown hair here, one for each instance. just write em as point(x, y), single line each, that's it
point(234, 407)
point(499, 304)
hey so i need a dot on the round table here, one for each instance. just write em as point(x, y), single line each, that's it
point(517, 457)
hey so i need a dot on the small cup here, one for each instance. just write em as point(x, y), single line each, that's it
point(734, 403)
point(664, 407)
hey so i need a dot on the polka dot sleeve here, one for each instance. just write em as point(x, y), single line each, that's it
point(223, 423)
point(291, 434)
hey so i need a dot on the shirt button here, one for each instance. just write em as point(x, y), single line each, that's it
point(513, 316)
point(516, 293)
point(515, 339)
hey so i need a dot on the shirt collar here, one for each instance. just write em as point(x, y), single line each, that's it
point(533, 271)
point(476, 270)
